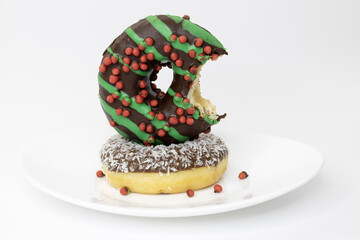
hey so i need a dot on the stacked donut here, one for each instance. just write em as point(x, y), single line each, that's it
point(143, 113)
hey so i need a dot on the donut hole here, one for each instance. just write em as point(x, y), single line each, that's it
point(162, 82)
point(204, 105)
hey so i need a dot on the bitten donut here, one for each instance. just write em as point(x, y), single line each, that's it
point(133, 105)
point(164, 169)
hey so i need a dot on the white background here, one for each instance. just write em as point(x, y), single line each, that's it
point(293, 70)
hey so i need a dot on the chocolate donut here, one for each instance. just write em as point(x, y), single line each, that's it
point(134, 106)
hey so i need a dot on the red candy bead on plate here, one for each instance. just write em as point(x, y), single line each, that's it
point(218, 188)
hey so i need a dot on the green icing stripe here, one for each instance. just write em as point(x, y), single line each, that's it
point(138, 40)
point(121, 120)
point(179, 103)
point(158, 56)
point(161, 27)
point(122, 133)
point(197, 31)
point(143, 109)
point(139, 72)
point(176, 19)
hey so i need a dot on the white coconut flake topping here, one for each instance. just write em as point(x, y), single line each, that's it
point(123, 155)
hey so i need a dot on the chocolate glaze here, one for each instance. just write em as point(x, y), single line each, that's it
point(122, 155)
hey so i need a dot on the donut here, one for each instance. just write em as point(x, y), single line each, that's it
point(133, 104)
point(164, 169)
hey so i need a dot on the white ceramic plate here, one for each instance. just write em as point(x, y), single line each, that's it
point(64, 165)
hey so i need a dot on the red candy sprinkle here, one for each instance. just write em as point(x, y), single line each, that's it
point(153, 86)
point(125, 102)
point(149, 41)
point(207, 49)
point(158, 68)
point(119, 85)
point(150, 56)
point(113, 79)
point(110, 99)
point(126, 113)
point(154, 77)
point(182, 39)
point(136, 52)
point(214, 57)
point(189, 121)
point(186, 101)
point(144, 93)
point(99, 173)
point(217, 188)
point(125, 68)
point(119, 111)
point(143, 66)
point(126, 60)
point(128, 51)
point(243, 175)
point(161, 133)
point(186, 77)
point(173, 120)
point(151, 139)
point(142, 126)
point(193, 70)
point(115, 71)
point(143, 58)
point(167, 48)
point(179, 95)
point(115, 96)
point(199, 42)
point(190, 193)
point(179, 111)
point(151, 113)
point(142, 84)
point(112, 123)
point(160, 116)
point(174, 56)
point(139, 99)
point(173, 37)
point(160, 94)
point(107, 61)
point(179, 63)
point(150, 128)
point(182, 119)
point(135, 66)
point(124, 191)
point(114, 59)
point(154, 103)
point(141, 47)
point(102, 68)
point(192, 54)
point(146, 143)
point(190, 110)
